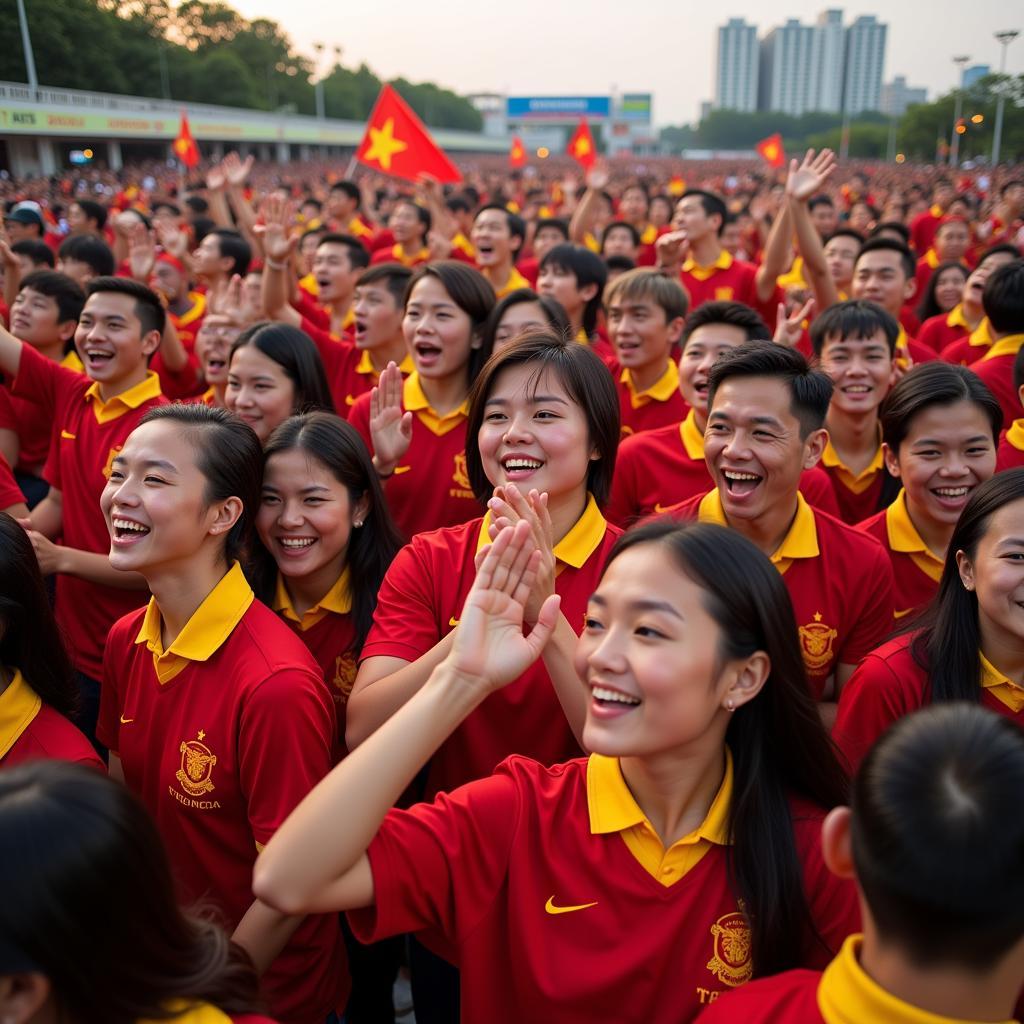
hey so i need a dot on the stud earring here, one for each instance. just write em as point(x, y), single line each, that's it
point(729, 705)
point(358, 523)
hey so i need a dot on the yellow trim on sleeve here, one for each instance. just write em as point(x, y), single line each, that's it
point(19, 705)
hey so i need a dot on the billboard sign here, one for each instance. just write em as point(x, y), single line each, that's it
point(635, 106)
point(558, 108)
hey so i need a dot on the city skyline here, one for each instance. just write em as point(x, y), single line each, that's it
point(666, 47)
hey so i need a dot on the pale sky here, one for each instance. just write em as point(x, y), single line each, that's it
point(587, 47)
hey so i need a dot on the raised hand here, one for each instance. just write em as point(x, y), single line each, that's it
point(808, 177)
point(216, 179)
point(236, 170)
point(173, 239)
point(490, 649)
point(229, 299)
point(509, 506)
point(439, 247)
point(275, 229)
point(789, 329)
point(141, 252)
point(390, 427)
point(598, 176)
point(671, 248)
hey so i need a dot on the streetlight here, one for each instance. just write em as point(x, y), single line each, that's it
point(1005, 38)
point(319, 47)
point(26, 45)
point(954, 140)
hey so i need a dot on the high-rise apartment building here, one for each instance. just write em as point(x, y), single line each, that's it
point(829, 56)
point(787, 69)
point(736, 73)
point(897, 96)
point(865, 58)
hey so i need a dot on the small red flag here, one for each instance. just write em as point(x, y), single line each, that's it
point(185, 148)
point(581, 145)
point(398, 143)
point(772, 151)
point(517, 154)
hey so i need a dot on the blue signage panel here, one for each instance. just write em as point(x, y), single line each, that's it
point(542, 108)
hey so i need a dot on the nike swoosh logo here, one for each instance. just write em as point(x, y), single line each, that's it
point(349, 400)
point(66, 436)
point(658, 509)
point(126, 721)
point(552, 909)
point(899, 615)
point(402, 469)
point(453, 621)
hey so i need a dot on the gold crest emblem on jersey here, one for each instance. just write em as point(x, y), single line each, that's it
point(724, 294)
point(344, 676)
point(109, 465)
point(816, 639)
point(461, 472)
point(197, 763)
point(730, 961)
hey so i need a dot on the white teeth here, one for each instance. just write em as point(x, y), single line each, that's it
point(127, 524)
point(296, 542)
point(600, 693)
point(730, 475)
point(857, 389)
point(951, 492)
point(523, 464)
point(97, 353)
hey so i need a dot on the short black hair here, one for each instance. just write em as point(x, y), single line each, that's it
point(1003, 298)
point(148, 307)
point(855, 318)
point(891, 225)
point(845, 232)
point(197, 204)
point(66, 292)
point(232, 244)
point(733, 314)
point(38, 252)
point(350, 188)
point(555, 223)
point(588, 268)
point(937, 835)
point(394, 277)
point(620, 225)
point(810, 390)
point(93, 211)
point(358, 254)
point(167, 204)
point(995, 250)
point(884, 244)
point(816, 201)
point(90, 250)
point(620, 263)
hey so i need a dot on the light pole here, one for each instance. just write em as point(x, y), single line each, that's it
point(1005, 38)
point(954, 138)
point(319, 88)
point(30, 59)
point(165, 77)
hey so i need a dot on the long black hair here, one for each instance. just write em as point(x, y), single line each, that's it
point(778, 743)
point(371, 547)
point(950, 638)
point(929, 304)
point(89, 902)
point(30, 639)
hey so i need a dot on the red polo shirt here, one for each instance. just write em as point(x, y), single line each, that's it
point(995, 368)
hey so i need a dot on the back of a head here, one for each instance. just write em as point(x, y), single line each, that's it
point(1003, 298)
point(938, 836)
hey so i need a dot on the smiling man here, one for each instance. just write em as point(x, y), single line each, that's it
point(766, 410)
point(497, 237)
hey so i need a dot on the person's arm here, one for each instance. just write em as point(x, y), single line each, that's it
point(430, 193)
point(236, 172)
point(86, 565)
point(277, 285)
point(775, 257)
point(263, 932)
point(216, 196)
point(12, 271)
point(583, 217)
point(47, 517)
point(10, 446)
point(310, 865)
point(10, 353)
point(803, 182)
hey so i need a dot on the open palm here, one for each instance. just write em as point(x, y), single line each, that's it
point(808, 177)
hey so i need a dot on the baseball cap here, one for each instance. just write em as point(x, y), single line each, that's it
point(26, 213)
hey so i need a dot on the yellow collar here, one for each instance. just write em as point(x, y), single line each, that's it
point(692, 438)
point(855, 482)
point(309, 284)
point(1003, 689)
point(19, 705)
point(514, 282)
point(1015, 434)
point(800, 542)
point(195, 311)
point(847, 995)
point(981, 335)
point(210, 626)
point(649, 235)
point(956, 318)
point(200, 1013)
point(1008, 346)
point(398, 251)
point(723, 262)
point(577, 545)
point(903, 536)
point(366, 367)
point(72, 362)
point(935, 210)
point(416, 401)
point(146, 390)
point(338, 600)
point(662, 390)
point(931, 257)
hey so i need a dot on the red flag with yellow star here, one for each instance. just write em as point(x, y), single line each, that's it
point(581, 145)
point(517, 154)
point(398, 143)
point(772, 151)
point(185, 148)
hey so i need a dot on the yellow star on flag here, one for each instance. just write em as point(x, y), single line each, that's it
point(180, 146)
point(384, 145)
point(582, 147)
point(771, 152)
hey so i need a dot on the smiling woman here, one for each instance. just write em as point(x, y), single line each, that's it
point(207, 694)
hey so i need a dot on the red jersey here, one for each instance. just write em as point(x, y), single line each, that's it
point(661, 405)
point(221, 736)
point(328, 632)
point(916, 571)
point(397, 253)
point(844, 993)
point(530, 269)
point(420, 602)
point(839, 580)
point(890, 683)
point(857, 494)
point(10, 492)
point(188, 323)
point(430, 487)
point(551, 916)
point(727, 280)
point(968, 350)
point(923, 228)
point(87, 434)
point(995, 368)
point(661, 468)
point(939, 331)
point(1010, 454)
point(31, 731)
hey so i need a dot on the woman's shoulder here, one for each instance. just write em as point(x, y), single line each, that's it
point(262, 640)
